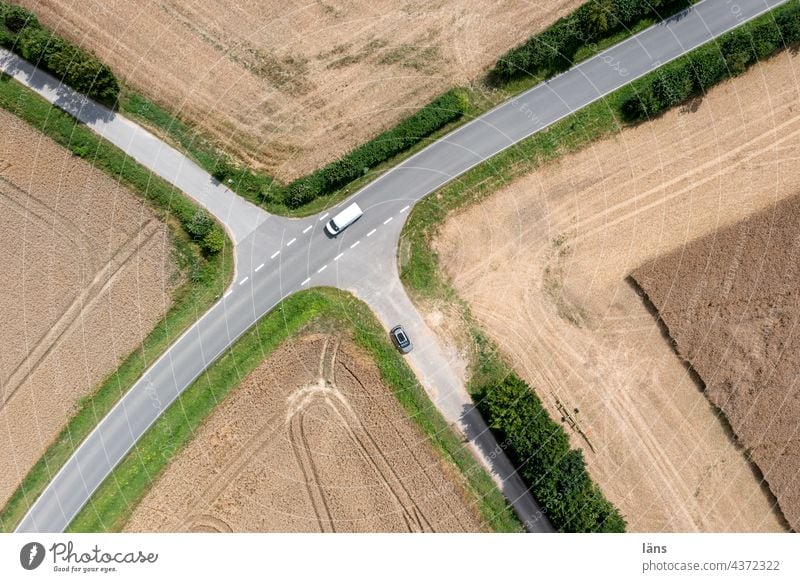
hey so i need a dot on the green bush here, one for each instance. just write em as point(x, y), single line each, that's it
point(22, 33)
point(554, 49)
point(16, 17)
point(356, 163)
point(214, 241)
point(539, 448)
point(730, 55)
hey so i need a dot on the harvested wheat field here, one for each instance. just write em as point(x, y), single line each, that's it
point(87, 274)
point(310, 441)
point(290, 86)
point(545, 266)
point(731, 301)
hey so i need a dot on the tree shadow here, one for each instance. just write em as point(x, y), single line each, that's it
point(53, 90)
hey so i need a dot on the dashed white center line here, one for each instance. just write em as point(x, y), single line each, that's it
point(370, 233)
point(388, 220)
point(258, 268)
point(355, 244)
point(324, 216)
point(322, 268)
point(275, 254)
point(304, 282)
point(307, 229)
point(339, 256)
point(243, 281)
point(288, 244)
point(404, 208)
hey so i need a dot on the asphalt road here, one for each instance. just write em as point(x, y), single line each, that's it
point(277, 256)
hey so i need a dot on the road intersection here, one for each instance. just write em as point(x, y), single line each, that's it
point(277, 256)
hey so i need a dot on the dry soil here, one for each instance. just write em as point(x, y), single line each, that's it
point(544, 265)
point(290, 85)
point(731, 301)
point(86, 275)
point(310, 441)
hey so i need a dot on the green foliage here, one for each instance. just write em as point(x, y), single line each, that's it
point(696, 72)
point(22, 33)
point(539, 447)
point(15, 18)
point(214, 241)
point(554, 49)
point(356, 163)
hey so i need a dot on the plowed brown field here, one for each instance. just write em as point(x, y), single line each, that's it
point(86, 275)
point(544, 265)
point(311, 441)
point(731, 301)
point(289, 85)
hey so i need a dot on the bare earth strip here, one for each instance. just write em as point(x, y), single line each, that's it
point(544, 265)
point(291, 85)
point(730, 301)
point(87, 274)
point(311, 441)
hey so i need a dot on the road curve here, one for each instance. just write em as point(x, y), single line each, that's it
point(276, 256)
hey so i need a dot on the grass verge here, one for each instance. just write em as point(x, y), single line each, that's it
point(206, 277)
point(115, 500)
point(482, 95)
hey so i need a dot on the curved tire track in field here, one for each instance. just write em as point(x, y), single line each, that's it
point(82, 303)
point(366, 446)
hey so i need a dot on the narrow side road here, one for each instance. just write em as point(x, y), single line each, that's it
point(276, 256)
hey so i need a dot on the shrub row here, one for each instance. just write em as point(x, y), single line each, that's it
point(539, 447)
point(356, 163)
point(21, 32)
point(696, 72)
point(553, 49)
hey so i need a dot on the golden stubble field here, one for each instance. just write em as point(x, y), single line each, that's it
point(544, 265)
point(87, 274)
point(310, 441)
point(288, 86)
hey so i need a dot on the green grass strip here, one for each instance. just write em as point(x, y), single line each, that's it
point(116, 499)
point(206, 279)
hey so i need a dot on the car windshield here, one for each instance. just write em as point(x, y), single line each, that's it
point(334, 228)
point(401, 337)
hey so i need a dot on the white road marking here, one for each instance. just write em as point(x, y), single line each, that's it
point(227, 293)
point(388, 220)
point(339, 256)
point(404, 209)
point(258, 268)
point(322, 268)
point(355, 244)
point(324, 216)
point(275, 254)
point(288, 244)
point(370, 233)
point(304, 282)
point(307, 229)
point(243, 281)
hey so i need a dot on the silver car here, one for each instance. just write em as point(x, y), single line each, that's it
point(400, 339)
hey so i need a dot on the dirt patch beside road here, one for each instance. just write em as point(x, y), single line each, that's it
point(544, 266)
point(87, 274)
point(290, 86)
point(731, 302)
point(311, 441)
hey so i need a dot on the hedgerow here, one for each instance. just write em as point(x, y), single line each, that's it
point(539, 448)
point(21, 32)
point(553, 49)
point(356, 163)
point(696, 72)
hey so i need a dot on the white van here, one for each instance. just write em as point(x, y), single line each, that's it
point(344, 219)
